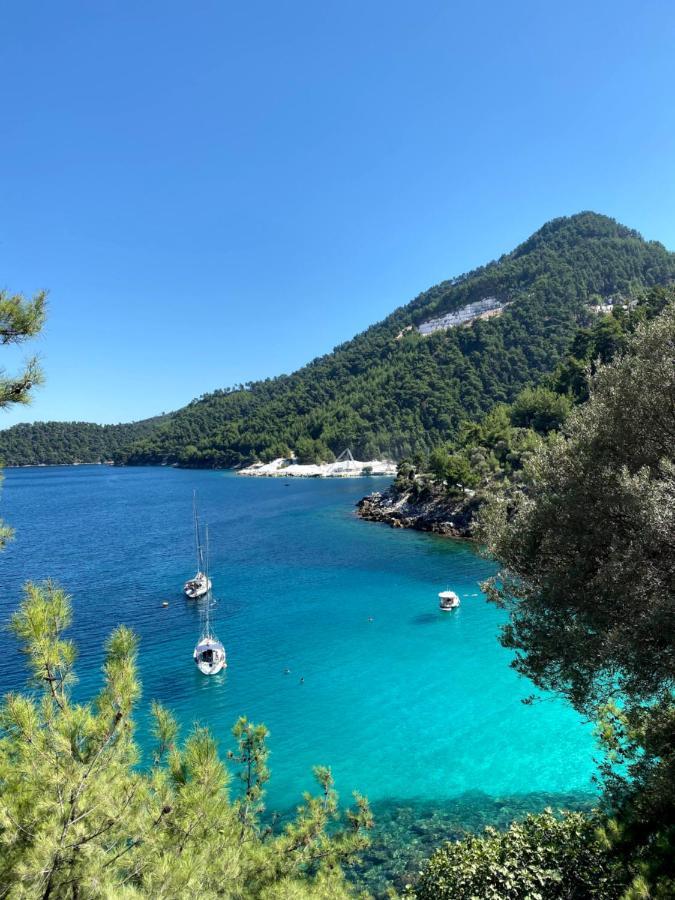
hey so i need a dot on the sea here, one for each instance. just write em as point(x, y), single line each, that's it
point(334, 640)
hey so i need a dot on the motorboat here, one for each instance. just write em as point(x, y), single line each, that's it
point(448, 600)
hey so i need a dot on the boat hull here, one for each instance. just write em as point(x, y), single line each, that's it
point(212, 669)
point(194, 592)
point(448, 600)
point(209, 656)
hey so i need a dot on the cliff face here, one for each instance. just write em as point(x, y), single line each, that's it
point(432, 510)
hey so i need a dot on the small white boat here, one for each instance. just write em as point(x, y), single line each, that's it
point(200, 585)
point(448, 600)
point(209, 655)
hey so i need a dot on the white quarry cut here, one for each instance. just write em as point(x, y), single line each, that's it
point(481, 309)
point(345, 466)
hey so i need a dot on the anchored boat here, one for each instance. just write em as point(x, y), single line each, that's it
point(200, 585)
point(448, 600)
point(209, 654)
point(197, 587)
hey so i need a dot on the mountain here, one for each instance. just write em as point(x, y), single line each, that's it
point(405, 384)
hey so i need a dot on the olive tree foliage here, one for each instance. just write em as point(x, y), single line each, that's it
point(587, 553)
point(588, 550)
point(80, 819)
point(20, 319)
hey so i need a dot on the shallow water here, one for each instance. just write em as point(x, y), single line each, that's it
point(414, 707)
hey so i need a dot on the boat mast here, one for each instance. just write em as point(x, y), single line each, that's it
point(200, 557)
point(207, 632)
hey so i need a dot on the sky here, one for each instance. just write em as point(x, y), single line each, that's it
point(216, 192)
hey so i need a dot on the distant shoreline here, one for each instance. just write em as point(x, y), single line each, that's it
point(373, 469)
point(51, 465)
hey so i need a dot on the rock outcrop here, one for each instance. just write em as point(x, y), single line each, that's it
point(429, 510)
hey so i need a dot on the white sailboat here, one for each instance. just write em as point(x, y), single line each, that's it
point(199, 585)
point(209, 654)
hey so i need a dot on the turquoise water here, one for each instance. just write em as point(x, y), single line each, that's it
point(412, 707)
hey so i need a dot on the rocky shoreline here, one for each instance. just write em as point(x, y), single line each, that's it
point(431, 510)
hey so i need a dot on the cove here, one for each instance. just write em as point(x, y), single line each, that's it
point(415, 708)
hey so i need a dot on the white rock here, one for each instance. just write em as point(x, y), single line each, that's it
point(289, 468)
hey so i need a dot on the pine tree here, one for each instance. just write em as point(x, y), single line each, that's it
point(79, 818)
point(20, 319)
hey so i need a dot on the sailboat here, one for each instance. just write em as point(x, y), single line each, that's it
point(199, 585)
point(209, 654)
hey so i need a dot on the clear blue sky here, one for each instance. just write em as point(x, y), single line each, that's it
point(216, 191)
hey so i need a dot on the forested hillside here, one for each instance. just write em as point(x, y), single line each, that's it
point(54, 443)
point(392, 391)
point(446, 490)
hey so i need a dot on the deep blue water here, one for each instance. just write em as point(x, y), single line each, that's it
point(415, 706)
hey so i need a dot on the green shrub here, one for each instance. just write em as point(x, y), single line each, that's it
point(539, 858)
